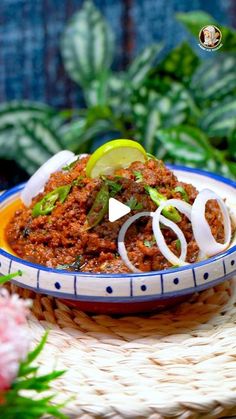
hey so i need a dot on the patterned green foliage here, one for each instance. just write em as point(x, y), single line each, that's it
point(180, 63)
point(183, 109)
point(215, 78)
point(27, 133)
point(142, 64)
point(220, 119)
point(21, 111)
point(87, 45)
point(79, 135)
point(163, 111)
point(187, 144)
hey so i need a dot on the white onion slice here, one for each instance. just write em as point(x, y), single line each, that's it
point(121, 239)
point(185, 208)
point(201, 229)
point(36, 183)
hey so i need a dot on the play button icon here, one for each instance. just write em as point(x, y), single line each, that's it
point(116, 209)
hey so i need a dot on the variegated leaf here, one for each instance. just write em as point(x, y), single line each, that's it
point(142, 64)
point(87, 45)
point(220, 119)
point(13, 112)
point(187, 145)
point(215, 78)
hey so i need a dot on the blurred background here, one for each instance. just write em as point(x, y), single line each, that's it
point(74, 74)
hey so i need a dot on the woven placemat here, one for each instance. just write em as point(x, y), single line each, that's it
point(179, 363)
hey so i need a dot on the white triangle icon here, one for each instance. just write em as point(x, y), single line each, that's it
point(117, 210)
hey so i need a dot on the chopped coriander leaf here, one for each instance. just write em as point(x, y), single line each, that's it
point(183, 192)
point(138, 176)
point(70, 166)
point(114, 186)
point(74, 265)
point(178, 244)
point(134, 204)
point(149, 243)
point(78, 181)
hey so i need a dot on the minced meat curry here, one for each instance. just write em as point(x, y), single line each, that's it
point(67, 226)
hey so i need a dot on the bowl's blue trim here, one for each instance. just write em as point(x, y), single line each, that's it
point(201, 172)
point(219, 178)
point(134, 299)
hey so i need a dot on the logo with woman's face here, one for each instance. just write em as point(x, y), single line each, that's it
point(210, 37)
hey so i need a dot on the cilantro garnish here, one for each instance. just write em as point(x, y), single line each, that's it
point(134, 204)
point(114, 185)
point(74, 265)
point(149, 243)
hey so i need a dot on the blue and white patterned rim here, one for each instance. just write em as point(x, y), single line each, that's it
point(137, 287)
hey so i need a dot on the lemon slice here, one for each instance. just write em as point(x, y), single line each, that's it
point(116, 154)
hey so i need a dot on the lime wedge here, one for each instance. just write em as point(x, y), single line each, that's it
point(116, 154)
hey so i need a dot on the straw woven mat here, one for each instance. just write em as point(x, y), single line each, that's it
point(179, 363)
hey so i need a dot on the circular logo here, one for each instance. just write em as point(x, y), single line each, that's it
point(210, 37)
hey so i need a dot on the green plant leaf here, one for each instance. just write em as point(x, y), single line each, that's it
point(87, 45)
point(220, 119)
point(36, 143)
point(187, 145)
point(232, 147)
point(96, 94)
point(28, 133)
point(163, 111)
point(142, 64)
point(195, 20)
point(215, 79)
point(79, 136)
point(177, 106)
point(11, 113)
point(28, 379)
point(232, 169)
point(33, 355)
point(152, 121)
point(180, 63)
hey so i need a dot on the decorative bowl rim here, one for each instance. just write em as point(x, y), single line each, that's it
point(9, 193)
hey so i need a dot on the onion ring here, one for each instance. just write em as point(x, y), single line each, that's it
point(121, 239)
point(185, 208)
point(201, 229)
point(36, 183)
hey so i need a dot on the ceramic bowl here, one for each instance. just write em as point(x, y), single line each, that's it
point(125, 293)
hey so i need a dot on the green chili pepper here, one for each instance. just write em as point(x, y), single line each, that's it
point(183, 192)
point(138, 176)
point(47, 204)
point(169, 211)
point(99, 208)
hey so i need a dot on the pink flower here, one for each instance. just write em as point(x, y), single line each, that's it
point(14, 338)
